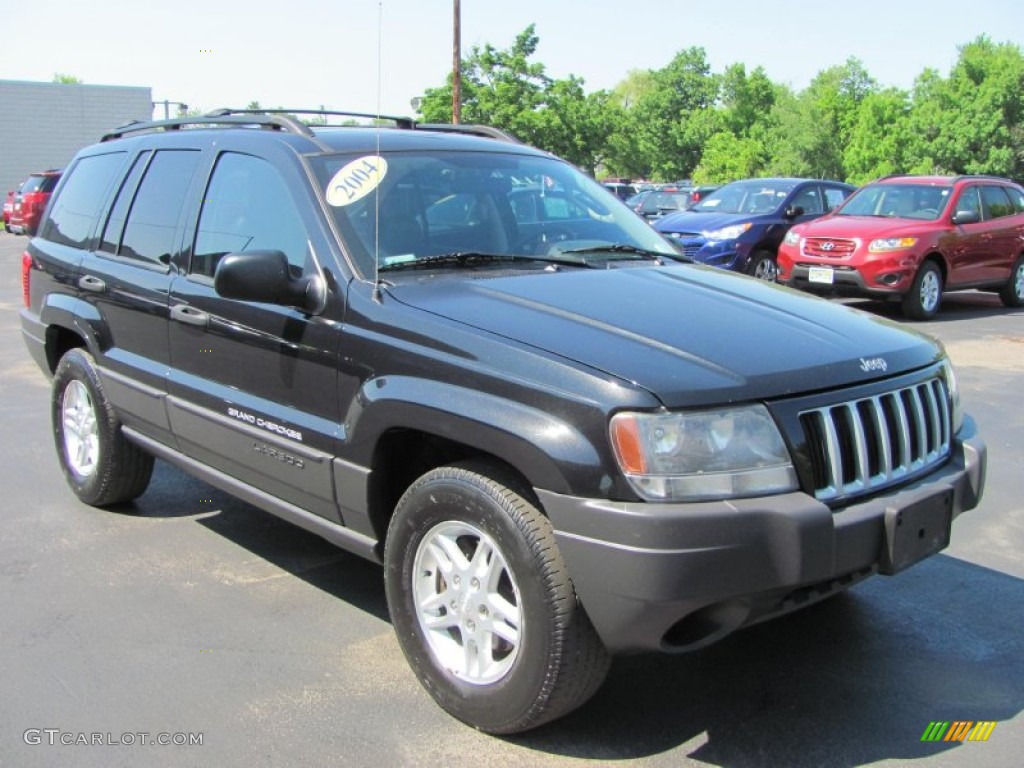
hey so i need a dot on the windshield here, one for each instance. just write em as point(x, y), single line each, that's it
point(668, 201)
point(749, 197)
point(904, 201)
point(430, 204)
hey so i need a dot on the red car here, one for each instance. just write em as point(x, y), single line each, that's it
point(912, 238)
point(30, 201)
point(9, 208)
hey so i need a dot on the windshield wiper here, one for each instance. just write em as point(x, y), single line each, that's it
point(469, 259)
point(631, 250)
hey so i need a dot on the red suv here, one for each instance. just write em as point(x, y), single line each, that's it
point(912, 238)
point(31, 200)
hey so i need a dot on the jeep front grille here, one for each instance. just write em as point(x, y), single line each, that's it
point(864, 445)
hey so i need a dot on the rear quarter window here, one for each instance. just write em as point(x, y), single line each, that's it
point(79, 201)
point(1017, 197)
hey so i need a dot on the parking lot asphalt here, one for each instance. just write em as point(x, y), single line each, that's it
point(192, 614)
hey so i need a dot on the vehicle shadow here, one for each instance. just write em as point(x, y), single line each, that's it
point(965, 305)
point(852, 681)
point(172, 494)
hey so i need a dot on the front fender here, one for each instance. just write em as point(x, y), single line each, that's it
point(537, 443)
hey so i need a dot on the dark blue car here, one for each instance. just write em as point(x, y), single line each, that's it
point(740, 226)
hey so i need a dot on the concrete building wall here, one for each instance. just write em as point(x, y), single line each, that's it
point(42, 125)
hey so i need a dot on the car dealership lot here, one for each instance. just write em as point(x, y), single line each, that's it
point(193, 613)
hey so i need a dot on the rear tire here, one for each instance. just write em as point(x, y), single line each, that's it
point(100, 465)
point(1012, 294)
point(925, 295)
point(482, 604)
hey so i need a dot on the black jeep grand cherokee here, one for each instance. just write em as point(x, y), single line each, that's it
point(460, 357)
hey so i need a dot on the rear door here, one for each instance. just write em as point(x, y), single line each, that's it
point(124, 274)
point(1005, 229)
point(253, 387)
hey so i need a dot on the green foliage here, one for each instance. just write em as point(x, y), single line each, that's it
point(684, 120)
point(971, 121)
point(504, 88)
point(60, 77)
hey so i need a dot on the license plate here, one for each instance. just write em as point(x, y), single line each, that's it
point(915, 532)
point(820, 275)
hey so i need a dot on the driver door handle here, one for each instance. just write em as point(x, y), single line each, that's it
point(90, 283)
point(183, 313)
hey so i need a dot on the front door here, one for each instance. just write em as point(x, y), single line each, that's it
point(252, 386)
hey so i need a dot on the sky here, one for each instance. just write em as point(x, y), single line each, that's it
point(376, 55)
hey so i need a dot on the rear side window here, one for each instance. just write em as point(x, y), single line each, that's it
point(111, 240)
point(76, 207)
point(996, 202)
point(153, 219)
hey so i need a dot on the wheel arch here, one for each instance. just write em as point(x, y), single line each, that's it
point(70, 323)
point(940, 261)
point(421, 425)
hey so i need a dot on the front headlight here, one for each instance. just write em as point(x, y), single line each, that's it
point(891, 244)
point(954, 394)
point(791, 238)
point(702, 455)
point(727, 233)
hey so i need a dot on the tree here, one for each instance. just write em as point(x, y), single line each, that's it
point(971, 121)
point(60, 77)
point(499, 87)
point(669, 135)
point(746, 99)
point(505, 89)
point(878, 140)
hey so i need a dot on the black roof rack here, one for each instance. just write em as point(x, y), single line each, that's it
point(469, 128)
point(220, 117)
point(284, 120)
point(400, 122)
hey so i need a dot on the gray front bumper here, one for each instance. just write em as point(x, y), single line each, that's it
point(677, 576)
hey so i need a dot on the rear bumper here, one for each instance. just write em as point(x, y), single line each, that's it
point(674, 577)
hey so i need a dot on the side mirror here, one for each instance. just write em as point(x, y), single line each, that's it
point(264, 276)
point(966, 217)
point(793, 211)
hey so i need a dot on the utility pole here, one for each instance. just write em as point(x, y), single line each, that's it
point(182, 107)
point(457, 65)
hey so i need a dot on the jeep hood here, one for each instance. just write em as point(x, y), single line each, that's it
point(690, 335)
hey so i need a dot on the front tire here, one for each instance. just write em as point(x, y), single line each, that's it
point(764, 266)
point(925, 295)
point(100, 465)
point(1012, 294)
point(482, 603)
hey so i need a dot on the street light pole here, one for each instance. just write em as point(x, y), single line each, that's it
point(457, 65)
